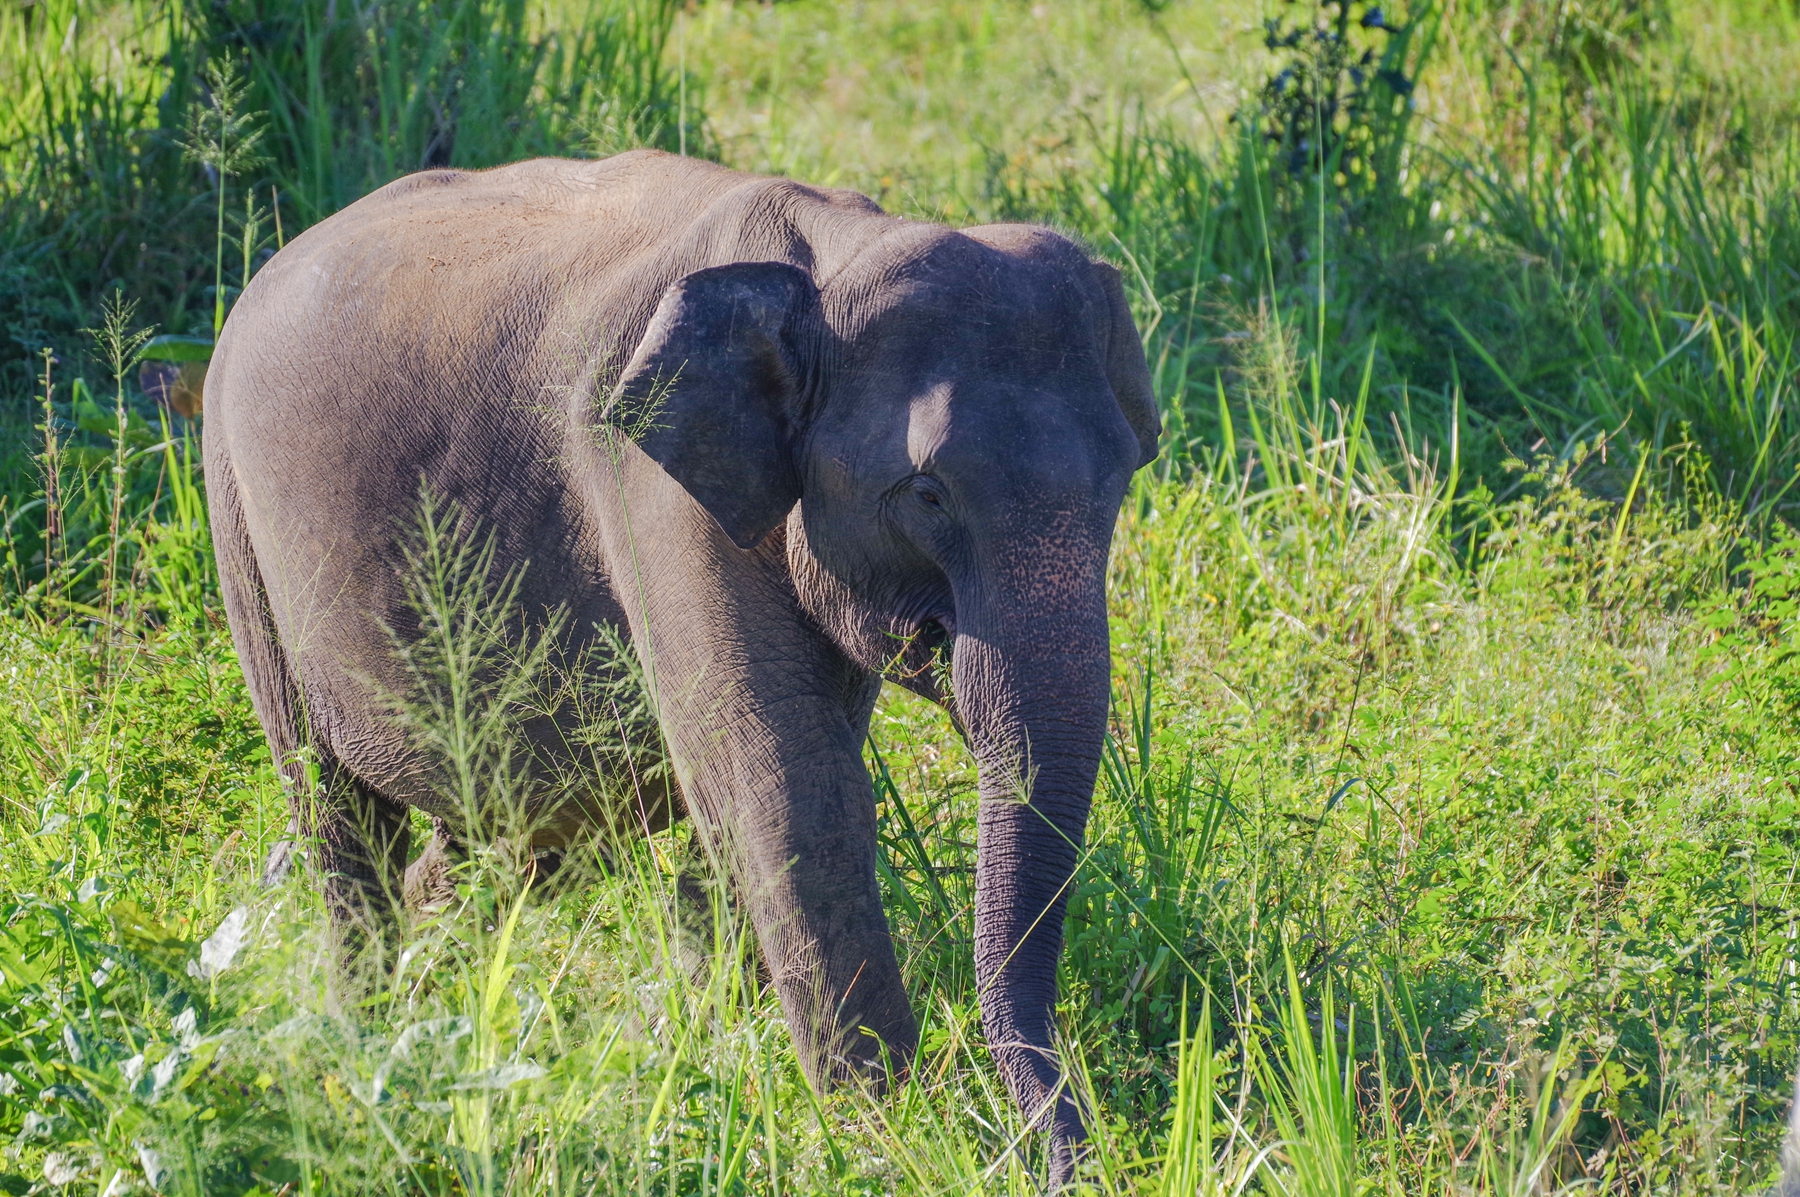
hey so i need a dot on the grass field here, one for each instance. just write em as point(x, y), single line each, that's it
point(1448, 838)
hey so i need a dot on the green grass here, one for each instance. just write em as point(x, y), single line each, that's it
point(110, 182)
point(1447, 836)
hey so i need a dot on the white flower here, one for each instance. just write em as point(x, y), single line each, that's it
point(504, 1076)
point(449, 1030)
point(154, 1170)
point(63, 1168)
point(164, 1072)
point(222, 946)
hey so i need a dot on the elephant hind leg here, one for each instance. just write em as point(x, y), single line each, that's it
point(362, 839)
point(274, 689)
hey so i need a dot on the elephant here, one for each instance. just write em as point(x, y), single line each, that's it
point(783, 443)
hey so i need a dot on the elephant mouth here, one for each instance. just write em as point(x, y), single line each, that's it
point(936, 636)
point(926, 642)
point(925, 617)
point(917, 645)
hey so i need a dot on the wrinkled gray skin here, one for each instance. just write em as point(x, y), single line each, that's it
point(859, 441)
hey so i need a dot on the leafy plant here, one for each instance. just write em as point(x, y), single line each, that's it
point(1338, 105)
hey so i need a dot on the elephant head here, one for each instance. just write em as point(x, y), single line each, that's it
point(947, 424)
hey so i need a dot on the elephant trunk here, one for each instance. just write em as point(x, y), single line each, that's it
point(1031, 689)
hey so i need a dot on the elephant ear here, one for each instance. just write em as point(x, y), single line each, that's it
point(1126, 369)
point(714, 393)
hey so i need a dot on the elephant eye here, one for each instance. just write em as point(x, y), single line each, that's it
point(928, 493)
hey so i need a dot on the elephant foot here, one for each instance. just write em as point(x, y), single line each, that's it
point(547, 871)
point(693, 925)
point(702, 918)
point(429, 885)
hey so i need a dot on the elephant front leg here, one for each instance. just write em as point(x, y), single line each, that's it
point(764, 719)
point(776, 784)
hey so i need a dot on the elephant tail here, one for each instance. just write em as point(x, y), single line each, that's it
point(274, 688)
